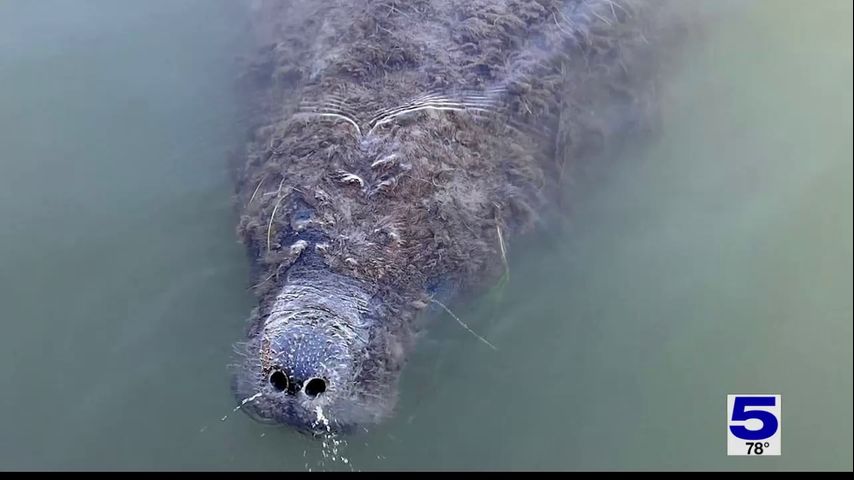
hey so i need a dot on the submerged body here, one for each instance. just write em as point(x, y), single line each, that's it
point(401, 146)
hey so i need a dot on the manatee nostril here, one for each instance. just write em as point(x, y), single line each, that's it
point(279, 380)
point(314, 387)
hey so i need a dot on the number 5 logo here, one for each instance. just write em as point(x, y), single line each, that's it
point(741, 413)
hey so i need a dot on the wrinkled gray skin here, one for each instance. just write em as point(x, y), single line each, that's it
point(325, 326)
point(353, 231)
point(317, 328)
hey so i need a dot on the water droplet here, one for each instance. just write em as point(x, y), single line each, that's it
point(246, 400)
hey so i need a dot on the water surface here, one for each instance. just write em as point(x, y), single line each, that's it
point(715, 260)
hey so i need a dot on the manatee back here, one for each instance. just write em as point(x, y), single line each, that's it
point(423, 135)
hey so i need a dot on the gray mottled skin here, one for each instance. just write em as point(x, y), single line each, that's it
point(399, 147)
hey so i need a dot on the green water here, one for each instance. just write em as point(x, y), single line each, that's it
point(716, 260)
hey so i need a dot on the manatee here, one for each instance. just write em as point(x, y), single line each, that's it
point(397, 148)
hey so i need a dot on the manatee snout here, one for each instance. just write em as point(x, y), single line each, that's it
point(309, 364)
point(298, 374)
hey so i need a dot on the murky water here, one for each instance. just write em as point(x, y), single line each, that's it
point(717, 260)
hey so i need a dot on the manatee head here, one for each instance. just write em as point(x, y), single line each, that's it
point(321, 356)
